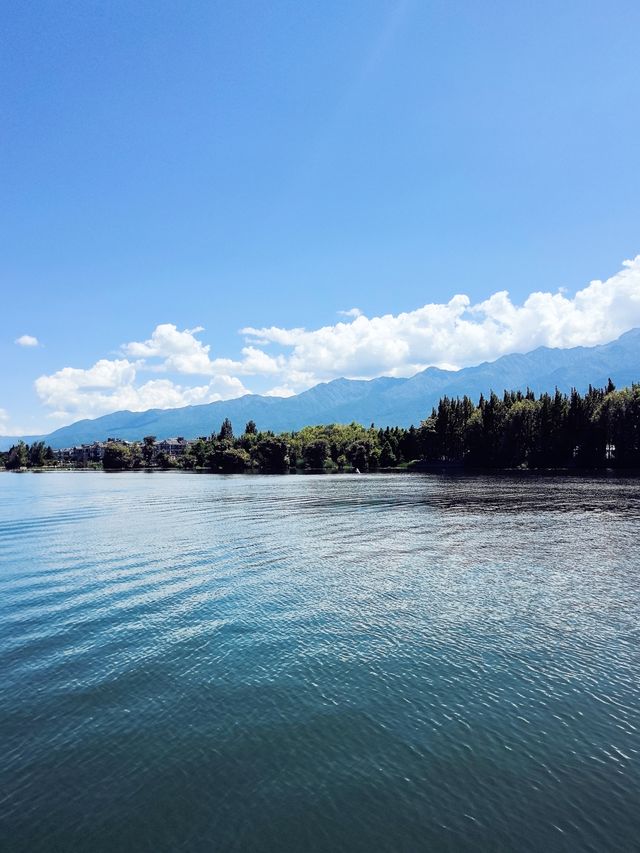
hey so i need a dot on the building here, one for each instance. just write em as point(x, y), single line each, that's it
point(172, 447)
point(81, 454)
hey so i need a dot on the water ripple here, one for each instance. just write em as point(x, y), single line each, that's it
point(388, 663)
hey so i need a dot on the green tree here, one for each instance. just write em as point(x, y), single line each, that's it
point(409, 444)
point(272, 454)
point(234, 460)
point(428, 439)
point(164, 461)
point(36, 454)
point(215, 454)
point(519, 434)
point(148, 449)
point(388, 458)
point(196, 456)
point(358, 455)
point(17, 457)
point(116, 457)
point(136, 455)
point(316, 453)
point(226, 431)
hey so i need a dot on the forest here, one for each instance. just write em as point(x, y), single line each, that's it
point(600, 429)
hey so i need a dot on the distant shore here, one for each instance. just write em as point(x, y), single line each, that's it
point(515, 432)
point(430, 470)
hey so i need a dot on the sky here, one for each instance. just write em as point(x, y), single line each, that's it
point(204, 199)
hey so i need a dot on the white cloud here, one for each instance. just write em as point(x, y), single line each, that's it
point(450, 335)
point(280, 391)
point(352, 312)
point(182, 352)
point(458, 333)
point(254, 362)
point(109, 386)
point(27, 341)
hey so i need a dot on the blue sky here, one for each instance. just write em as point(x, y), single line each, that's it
point(268, 165)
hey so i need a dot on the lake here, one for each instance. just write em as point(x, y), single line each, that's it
point(335, 663)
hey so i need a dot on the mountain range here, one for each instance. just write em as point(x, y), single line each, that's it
point(385, 401)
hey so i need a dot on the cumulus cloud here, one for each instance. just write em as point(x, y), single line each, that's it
point(352, 312)
point(458, 333)
point(451, 335)
point(113, 384)
point(110, 385)
point(182, 352)
point(27, 341)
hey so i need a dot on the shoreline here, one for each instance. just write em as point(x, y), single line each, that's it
point(432, 470)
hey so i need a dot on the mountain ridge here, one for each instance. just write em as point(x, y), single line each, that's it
point(385, 400)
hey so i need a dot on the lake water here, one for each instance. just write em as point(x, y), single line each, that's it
point(334, 663)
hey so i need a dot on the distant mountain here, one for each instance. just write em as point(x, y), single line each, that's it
point(384, 401)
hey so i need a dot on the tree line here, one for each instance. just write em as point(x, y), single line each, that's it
point(519, 430)
point(516, 430)
point(21, 455)
point(333, 447)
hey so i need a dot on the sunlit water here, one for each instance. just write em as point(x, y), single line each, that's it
point(339, 663)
